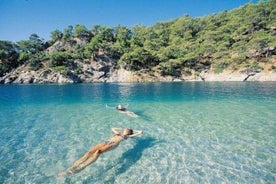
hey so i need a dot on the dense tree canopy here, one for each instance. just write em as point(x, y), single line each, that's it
point(8, 56)
point(56, 35)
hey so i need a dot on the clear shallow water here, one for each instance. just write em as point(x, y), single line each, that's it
point(193, 132)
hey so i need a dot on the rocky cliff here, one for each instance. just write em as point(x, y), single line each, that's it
point(105, 69)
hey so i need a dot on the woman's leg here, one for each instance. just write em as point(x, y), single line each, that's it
point(81, 160)
point(77, 163)
point(89, 161)
point(75, 166)
point(92, 157)
point(86, 156)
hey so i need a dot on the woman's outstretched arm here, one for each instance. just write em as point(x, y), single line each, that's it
point(136, 133)
point(116, 130)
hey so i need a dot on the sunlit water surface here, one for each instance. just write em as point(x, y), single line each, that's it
point(193, 132)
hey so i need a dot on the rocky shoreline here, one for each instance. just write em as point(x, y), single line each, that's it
point(104, 73)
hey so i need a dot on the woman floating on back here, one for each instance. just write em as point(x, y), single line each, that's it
point(92, 155)
point(124, 110)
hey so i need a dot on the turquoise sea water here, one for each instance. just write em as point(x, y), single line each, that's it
point(193, 132)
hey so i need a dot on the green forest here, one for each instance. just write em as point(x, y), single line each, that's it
point(241, 38)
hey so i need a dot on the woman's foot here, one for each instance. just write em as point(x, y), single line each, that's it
point(69, 171)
